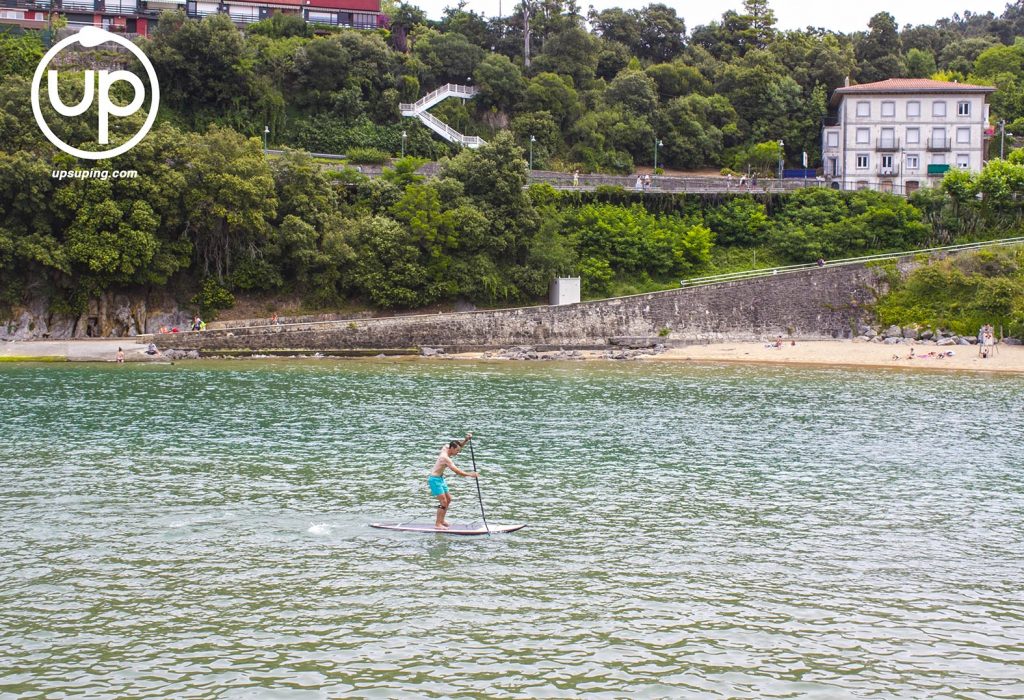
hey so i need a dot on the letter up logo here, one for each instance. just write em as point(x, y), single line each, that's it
point(91, 37)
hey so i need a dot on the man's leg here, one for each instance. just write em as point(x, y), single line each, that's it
point(441, 507)
point(444, 513)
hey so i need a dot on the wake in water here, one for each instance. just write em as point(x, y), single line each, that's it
point(319, 529)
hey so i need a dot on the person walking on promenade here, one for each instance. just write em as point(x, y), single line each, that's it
point(436, 481)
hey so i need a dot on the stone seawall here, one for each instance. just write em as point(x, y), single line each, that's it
point(810, 304)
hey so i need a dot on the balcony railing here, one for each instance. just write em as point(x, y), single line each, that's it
point(936, 144)
point(890, 171)
point(887, 144)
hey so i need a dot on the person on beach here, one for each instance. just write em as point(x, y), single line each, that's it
point(119, 357)
point(436, 481)
point(576, 178)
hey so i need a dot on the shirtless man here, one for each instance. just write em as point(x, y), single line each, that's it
point(438, 486)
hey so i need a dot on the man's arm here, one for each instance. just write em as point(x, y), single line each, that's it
point(462, 443)
point(462, 473)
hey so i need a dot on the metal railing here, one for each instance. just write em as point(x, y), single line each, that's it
point(936, 144)
point(887, 145)
point(434, 96)
point(669, 183)
point(448, 132)
point(787, 269)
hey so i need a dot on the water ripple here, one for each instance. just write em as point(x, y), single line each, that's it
point(200, 530)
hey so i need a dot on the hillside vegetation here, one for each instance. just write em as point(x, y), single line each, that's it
point(210, 216)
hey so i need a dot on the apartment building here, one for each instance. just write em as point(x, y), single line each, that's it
point(140, 16)
point(900, 134)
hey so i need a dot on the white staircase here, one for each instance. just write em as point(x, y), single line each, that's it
point(419, 109)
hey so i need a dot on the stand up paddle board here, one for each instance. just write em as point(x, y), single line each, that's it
point(455, 529)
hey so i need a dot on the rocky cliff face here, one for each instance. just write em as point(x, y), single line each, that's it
point(109, 316)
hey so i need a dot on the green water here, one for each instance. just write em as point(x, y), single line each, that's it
point(199, 530)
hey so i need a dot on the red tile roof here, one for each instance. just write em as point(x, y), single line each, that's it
point(908, 85)
point(345, 5)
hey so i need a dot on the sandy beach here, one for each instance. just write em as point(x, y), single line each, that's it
point(1006, 358)
point(81, 350)
point(840, 353)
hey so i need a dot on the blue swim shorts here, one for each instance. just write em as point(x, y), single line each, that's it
point(437, 485)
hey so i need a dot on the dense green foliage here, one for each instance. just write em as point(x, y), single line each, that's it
point(210, 216)
point(596, 91)
point(961, 294)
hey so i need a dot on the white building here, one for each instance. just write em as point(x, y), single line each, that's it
point(900, 134)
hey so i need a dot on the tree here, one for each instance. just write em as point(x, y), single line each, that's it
point(572, 52)
point(633, 91)
point(500, 82)
point(920, 63)
point(403, 18)
point(618, 25)
point(445, 58)
point(554, 94)
point(204, 68)
point(231, 200)
point(662, 33)
point(738, 221)
point(762, 94)
point(879, 54)
point(20, 55)
point(695, 129)
point(281, 26)
point(387, 268)
point(676, 79)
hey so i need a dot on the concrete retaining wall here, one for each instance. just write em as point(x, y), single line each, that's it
point(809, 304)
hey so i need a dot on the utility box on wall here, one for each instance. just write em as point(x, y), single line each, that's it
point(565, 290)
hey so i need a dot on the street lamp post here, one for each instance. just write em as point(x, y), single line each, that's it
point(781, 156)
point(266, 133)
point(404, 134)
point(903, 163)
point(532, 139)
point(1002, 136)
point(657, 142)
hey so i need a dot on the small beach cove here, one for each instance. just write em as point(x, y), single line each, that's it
point(824, 353)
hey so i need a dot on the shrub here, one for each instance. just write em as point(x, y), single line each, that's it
point(367, 156)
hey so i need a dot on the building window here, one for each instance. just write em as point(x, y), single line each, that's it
point(938, 159)
point(913, 161)
point(863, 109)
point(914, 109)
point(863, 135)
point(832, 138)
point(938, 108)
point(888, 109)
point(886, 167)
point(963, 109)
point(913, 135)
point(963, 161)
point(963, 134)
point(863, 161)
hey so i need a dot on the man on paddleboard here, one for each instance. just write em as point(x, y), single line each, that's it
point(436, 482)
